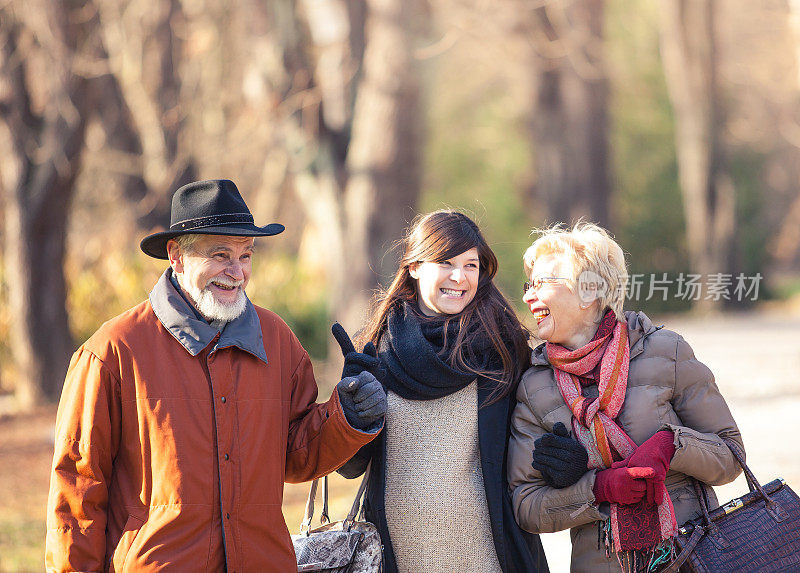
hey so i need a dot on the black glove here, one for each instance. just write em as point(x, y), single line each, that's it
point(561, 459)
point(356, 362)
point(363, 401)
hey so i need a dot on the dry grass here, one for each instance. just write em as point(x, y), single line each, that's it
point(26, 453)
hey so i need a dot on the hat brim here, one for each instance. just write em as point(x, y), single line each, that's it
point(155, 245)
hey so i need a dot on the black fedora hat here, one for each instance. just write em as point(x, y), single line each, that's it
point(212, 207)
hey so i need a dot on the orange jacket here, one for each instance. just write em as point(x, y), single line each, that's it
point(173, 442)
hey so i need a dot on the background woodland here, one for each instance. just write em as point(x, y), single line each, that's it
point(675, 123)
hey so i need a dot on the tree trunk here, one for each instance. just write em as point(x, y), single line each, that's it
point(383, 161)
point(352, 130)
point(569, 121)
point(144, 55)
point(689, 54)
point(42, 149)
point(36, 219)
point(785, 246)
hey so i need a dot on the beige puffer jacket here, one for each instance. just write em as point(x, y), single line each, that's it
point(668, 388)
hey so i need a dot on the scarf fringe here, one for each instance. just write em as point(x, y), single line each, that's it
point(649, 560)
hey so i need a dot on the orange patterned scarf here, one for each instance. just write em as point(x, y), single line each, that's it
point(635, 531)
point(593, 419)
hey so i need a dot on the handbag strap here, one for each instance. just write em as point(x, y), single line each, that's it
point(752, 483)
point(309, 513)
point(324, 518)
point(708, 526)
point(357, 505)
point(702, 497)
point(694, 539)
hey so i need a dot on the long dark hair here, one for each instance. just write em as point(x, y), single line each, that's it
point(436, 237)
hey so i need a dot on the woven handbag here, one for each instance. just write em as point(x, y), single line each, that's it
point(759, 531)
point(347, 546)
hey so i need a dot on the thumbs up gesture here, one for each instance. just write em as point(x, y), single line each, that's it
point(356, 362)
point(362, 396)
point(363, 400)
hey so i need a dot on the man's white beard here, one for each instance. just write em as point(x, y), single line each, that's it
point(210, 307)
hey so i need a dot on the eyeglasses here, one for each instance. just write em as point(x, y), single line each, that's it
point(537, 283)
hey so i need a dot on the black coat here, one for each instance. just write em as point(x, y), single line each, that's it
point(517, 551)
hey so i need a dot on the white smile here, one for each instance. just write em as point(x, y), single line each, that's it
point(225, 285)
point(540, 314)
point(453, 292)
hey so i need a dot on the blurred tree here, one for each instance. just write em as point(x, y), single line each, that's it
point(121, 152)
point(313, 107)
point(44, 108)
point(350, 122)
point(144, 55)
point(569, 120)
point(786, 242)
point(383, 159)
point(690, 60)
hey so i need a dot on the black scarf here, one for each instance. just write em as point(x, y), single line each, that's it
point(414, 356)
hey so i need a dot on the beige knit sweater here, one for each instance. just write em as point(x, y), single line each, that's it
point(436, 507)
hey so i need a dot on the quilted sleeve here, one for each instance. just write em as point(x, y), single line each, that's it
point(705, 420)
point(538, 507)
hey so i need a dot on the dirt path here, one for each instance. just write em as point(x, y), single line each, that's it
point(755, 358)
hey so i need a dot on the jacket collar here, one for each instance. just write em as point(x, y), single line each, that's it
point(195, 334)
point(639, 327)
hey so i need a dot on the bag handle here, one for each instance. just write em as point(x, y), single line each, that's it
point(752, 484)
point(702, 497)
point(708, 526)
point(324, 517)
point(309, 512)
point(357, 505)
point(694, 539)
point(772, 507)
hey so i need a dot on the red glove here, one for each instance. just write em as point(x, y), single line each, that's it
point(621, 485)
point(655, 453)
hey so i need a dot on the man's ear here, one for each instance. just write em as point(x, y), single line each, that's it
point(175, 256)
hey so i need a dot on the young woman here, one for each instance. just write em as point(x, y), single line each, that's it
point(450, 355)
point(645, 415)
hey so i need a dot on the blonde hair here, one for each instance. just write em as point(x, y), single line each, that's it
point(588, 248)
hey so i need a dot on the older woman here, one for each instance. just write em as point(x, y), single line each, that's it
point(645, 415)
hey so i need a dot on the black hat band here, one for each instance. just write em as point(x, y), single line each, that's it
point(212, 221)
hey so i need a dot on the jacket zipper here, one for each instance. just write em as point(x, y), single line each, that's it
point(567, 507)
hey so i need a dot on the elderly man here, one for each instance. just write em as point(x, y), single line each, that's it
point(181, 419)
